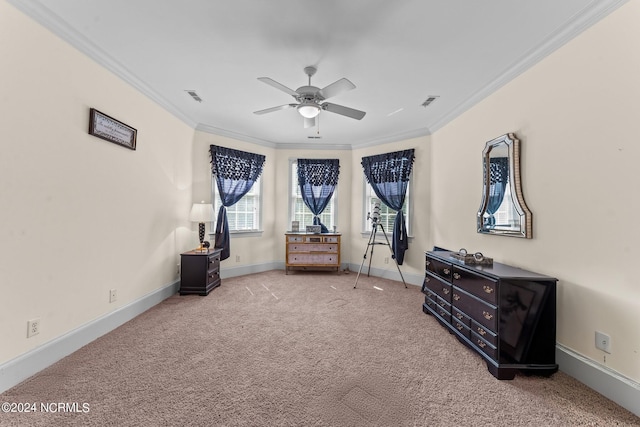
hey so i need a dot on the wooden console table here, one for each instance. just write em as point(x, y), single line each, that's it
point(312, 251)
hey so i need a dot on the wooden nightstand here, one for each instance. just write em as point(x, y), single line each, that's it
point(199, 271)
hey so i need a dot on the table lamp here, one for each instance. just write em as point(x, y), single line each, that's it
point(201, 212)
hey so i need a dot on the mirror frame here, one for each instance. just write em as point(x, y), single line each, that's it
point(515, 185)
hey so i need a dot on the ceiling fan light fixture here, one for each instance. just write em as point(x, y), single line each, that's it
point(308, 110)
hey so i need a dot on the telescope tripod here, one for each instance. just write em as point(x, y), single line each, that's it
point(371, 244)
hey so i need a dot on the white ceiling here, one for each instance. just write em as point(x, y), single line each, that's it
point(397, 53)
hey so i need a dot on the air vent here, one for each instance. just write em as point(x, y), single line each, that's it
point(430, 100)
point(314, 137)
point(194, 95)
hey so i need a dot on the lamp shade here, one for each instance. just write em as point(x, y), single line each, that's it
point(201, 212)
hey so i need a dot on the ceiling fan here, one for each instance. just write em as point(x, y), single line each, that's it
point(311, 99)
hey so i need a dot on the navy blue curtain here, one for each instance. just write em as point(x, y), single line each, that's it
point(498, 180)
point(388, 175)
point(235, 171)
point(317, 179)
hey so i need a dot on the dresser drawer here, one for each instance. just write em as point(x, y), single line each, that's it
point(486, 347)
point(489, 336)
point(438, 286)
point(459, 316)
point(298, 239)
point(439, 268)
point(480, 286)
point(443, 308)
point(214, 262)
point(213, 276)
point(476, 309)
point(331, 239)
point(461, 327)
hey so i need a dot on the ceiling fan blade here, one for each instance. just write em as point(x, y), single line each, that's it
point(309, 123)
point(272, 109)
point(277, 85)
point(342, 110)
point(336, 88)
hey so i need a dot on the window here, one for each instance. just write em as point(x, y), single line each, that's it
point(298, 211)
point(244, 215)
point(387, 215)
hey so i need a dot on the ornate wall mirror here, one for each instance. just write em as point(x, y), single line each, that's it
point(503, 210)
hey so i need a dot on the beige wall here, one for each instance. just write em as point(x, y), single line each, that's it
point(80, 215)
point(576, 113)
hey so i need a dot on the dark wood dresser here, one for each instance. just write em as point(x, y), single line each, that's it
point(505, 314)
point(199, 271)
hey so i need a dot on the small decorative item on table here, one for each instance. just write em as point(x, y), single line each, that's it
point(471, 259)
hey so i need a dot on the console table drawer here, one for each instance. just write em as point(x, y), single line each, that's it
point(313, 247)
point(315, 259)
point(476, 309)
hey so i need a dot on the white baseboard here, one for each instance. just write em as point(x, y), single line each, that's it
point(609, 383)
point(24, 366)
point(390, 273)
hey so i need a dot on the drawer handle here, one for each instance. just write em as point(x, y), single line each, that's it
point(459, 316)
point(446, 271)
point(426, 279)
point(459, 326)
point(487, 315)
point(488, 289)
point(456, 275)
point(428, 262)
point(481, 344)
point(445, 291)
point(482, 332)
point(441, 303)
point(456, 297)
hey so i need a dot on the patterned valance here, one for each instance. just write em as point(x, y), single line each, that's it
point(318, 172)
point(389, 167)
point(236, 165)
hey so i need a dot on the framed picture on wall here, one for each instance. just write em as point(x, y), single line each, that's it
point(112, 130)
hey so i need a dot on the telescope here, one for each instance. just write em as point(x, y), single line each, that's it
point(375, 218)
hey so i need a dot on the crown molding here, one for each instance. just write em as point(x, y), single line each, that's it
point(52, 22)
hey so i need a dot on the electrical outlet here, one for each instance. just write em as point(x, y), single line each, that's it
point(603, 342)
point(237, 258)
point(386, 260)
point(113, 295)
point(33, 327)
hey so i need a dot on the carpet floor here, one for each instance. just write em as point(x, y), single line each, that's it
point(303, 349)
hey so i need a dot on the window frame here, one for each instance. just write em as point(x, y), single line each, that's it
point(368, 194)
point(257, 186)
